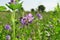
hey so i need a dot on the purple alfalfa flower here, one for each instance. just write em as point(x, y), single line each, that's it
point(39, 16)
point(27, 19)
point(7, 27)
point(30, 17)
point(8, 37)
point(24, 20)
point(12, 0)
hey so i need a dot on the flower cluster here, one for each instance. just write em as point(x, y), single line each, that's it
point(29, 18)
point(8, 37)
point(39, 16)
point(7, 27)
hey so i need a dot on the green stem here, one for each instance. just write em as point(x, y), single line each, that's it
point(13, 24)
point(38, 29)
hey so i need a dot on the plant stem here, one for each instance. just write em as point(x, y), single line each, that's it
point(13, 24)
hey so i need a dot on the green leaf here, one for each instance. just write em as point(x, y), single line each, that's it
point(57, 29)
point(14, 6)
point(2, 8)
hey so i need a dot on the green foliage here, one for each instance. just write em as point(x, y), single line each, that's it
point(35, 30)
point(14, 6)
point(2, 8)
point(46, 29)
point(17, 1)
